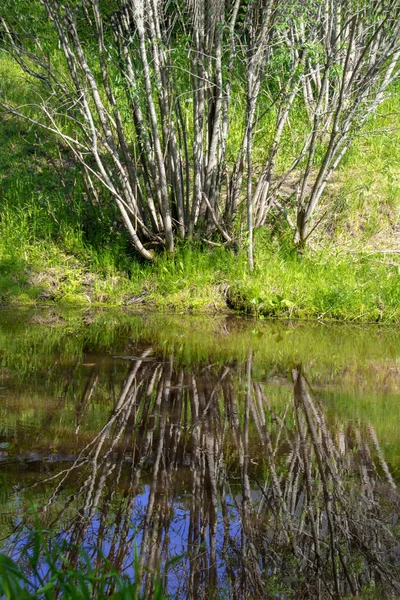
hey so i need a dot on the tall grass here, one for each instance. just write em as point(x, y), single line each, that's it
point(330, 284)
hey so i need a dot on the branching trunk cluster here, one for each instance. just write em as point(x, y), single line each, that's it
point(146, 97)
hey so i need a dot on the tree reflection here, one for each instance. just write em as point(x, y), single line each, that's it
point(253, 500)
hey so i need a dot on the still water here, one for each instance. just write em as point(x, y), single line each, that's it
point(241, 459)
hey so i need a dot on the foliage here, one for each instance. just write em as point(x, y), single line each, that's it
point(44, 573)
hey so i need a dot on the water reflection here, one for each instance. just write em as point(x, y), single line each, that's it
point(254, 499)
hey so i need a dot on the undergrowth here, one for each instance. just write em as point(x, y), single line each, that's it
point(328, 284)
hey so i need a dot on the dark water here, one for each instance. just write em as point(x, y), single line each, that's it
point(242, 459)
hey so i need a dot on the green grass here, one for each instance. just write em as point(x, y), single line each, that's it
point(48, 569)
point(327, 284)
point(56, 247)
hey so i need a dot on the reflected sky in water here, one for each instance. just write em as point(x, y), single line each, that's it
point(242, 459)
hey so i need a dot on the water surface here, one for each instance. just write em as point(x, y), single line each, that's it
point(243, 459)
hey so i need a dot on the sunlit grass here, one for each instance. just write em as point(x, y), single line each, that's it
point(56, 247)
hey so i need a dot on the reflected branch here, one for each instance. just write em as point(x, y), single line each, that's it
point(256, 499)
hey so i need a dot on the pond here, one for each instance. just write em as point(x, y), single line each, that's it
point(238, 458)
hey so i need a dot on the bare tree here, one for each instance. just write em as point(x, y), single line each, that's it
point(142, 96)
point(359, 59)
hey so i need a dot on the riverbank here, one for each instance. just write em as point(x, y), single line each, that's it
point(58, 246)
point(327, 284)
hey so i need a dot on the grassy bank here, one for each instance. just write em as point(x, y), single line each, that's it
point(57, 246)
point(327, 284)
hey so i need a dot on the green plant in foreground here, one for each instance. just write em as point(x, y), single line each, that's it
point(65, 581)
point(48, 573)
